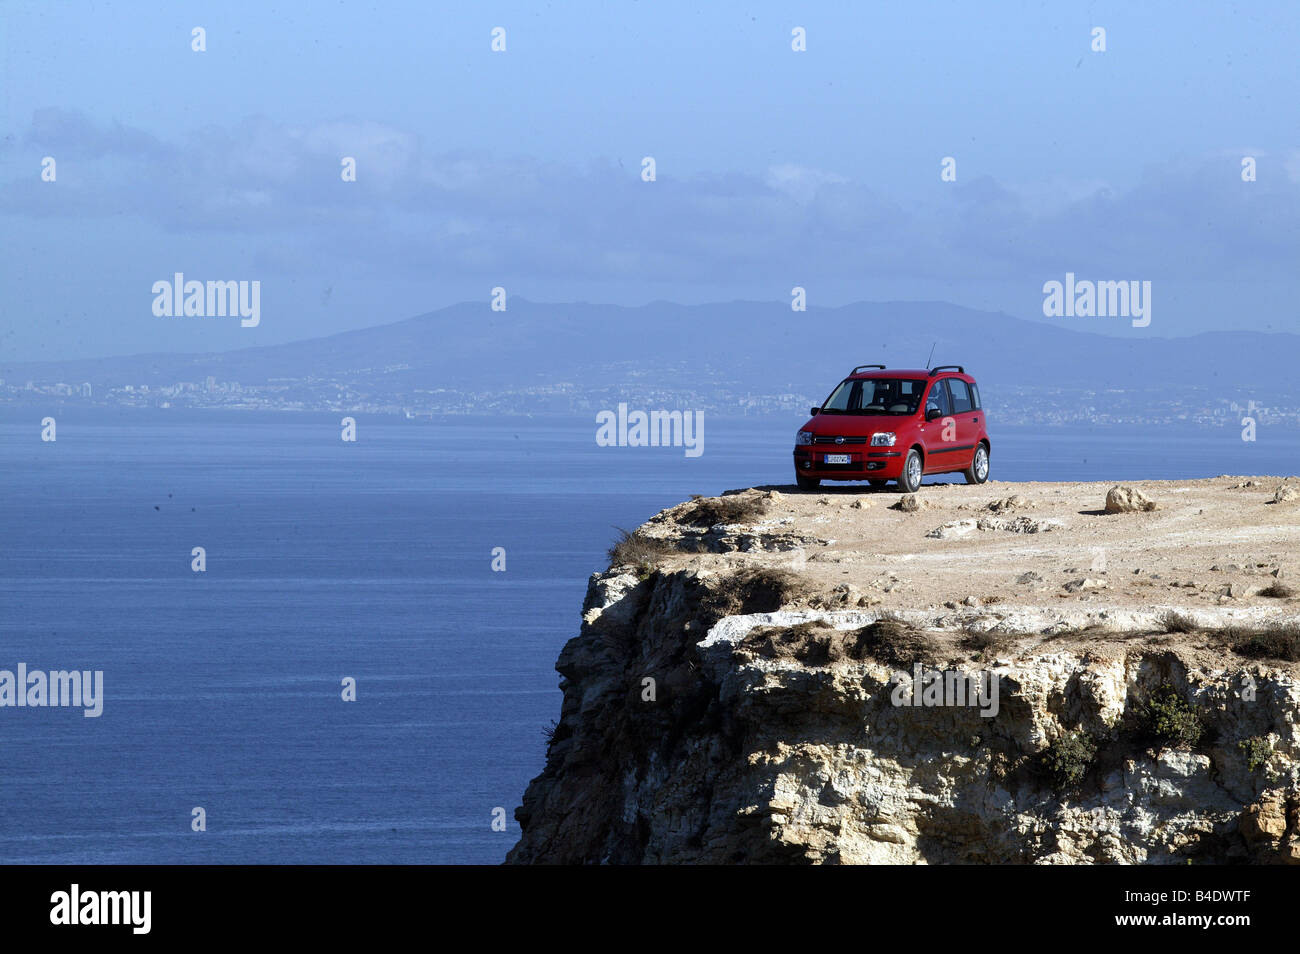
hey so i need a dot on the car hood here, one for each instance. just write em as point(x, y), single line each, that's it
point(854, 425)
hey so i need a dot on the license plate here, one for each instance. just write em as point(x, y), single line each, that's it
point(836, 459)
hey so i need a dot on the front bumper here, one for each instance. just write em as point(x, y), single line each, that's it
point(865, 463)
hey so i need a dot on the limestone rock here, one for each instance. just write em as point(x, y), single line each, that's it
point(778, 734)
point(1018, 524)
point(1014, 502)
point(778, 737)
point(954, 528)
point(912, 503)
point(1264, 820)
point(1122, 499)
point(1085, 583)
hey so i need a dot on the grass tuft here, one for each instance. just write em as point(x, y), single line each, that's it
point(633, 549)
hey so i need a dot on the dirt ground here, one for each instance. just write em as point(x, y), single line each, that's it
point(1029, 557)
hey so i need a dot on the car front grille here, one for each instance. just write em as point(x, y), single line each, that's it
point(839, 440)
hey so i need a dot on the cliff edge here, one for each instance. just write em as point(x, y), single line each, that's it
point(1004, 673)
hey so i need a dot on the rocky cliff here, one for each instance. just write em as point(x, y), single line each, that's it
point(771, 677)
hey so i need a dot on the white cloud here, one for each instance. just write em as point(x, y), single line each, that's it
point(800, 182)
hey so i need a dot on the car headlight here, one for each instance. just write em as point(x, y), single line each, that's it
point(883, 439)
point(803, 437)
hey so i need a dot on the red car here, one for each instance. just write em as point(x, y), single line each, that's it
point(880, 425)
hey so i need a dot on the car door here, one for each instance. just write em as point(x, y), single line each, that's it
point(966, 416)
point(938, 436)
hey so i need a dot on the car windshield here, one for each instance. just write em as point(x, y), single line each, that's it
point(875, 396)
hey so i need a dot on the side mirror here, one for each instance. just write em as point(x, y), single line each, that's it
point(933, 414)
point(815, 411)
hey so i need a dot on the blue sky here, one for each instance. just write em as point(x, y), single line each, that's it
point(521, 169)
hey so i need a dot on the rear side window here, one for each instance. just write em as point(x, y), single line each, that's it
point(975, 396)
point(961, 396)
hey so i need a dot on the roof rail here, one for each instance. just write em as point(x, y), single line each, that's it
point(864, 366)
point(947, 367)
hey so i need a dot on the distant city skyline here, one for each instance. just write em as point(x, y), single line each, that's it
point(546, 359)
point(823, 168)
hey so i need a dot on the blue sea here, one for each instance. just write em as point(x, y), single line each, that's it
point(370, 560)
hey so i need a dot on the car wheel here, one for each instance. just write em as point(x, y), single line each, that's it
point(910, 480)
point(978, 472)
point(877, 483)
point(807, 483)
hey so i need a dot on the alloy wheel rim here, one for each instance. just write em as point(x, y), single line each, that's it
point(913, 471)
point(981, 463)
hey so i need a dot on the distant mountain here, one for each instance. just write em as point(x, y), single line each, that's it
point(762, 346)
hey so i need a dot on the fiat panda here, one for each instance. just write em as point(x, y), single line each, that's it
point(880, 425)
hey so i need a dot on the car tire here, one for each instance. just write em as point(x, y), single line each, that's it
point(807, 483)
point(909, 481)
point(978, 471)
point(877, 482)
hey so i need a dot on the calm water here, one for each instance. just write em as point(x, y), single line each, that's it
point(326, 560)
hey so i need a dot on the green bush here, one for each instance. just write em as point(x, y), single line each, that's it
point(1171, 718)
point(1068, 757)
point(1257, 750)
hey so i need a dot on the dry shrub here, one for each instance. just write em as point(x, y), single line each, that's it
point(1271, 641)
point(1172, 622)
point(732, 508)
point(633, 549)
point(894, 642)
point(754, 591)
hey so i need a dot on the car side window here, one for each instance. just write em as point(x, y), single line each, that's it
point(961, 399)
point(938, 398)
point(975, 396)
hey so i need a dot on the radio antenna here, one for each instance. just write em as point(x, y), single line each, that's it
point(931, 358)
